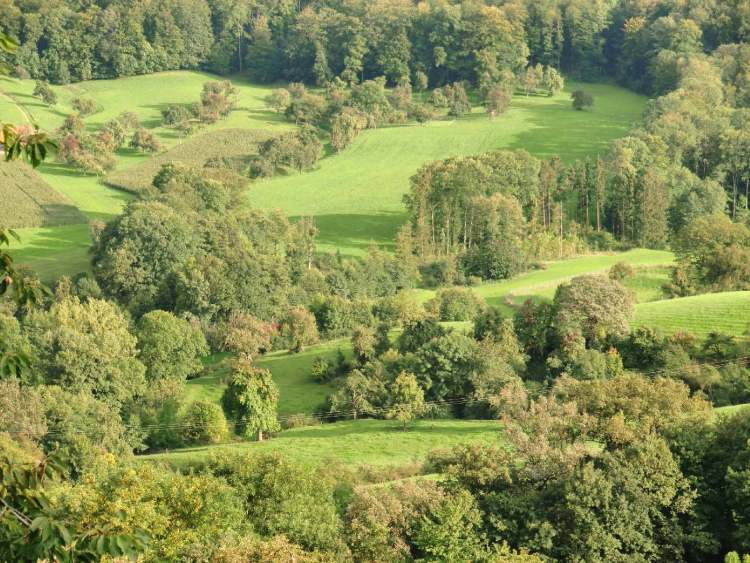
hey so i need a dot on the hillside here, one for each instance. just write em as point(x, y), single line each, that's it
point(29, 201)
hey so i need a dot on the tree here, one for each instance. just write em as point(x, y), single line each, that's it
point(145, 141)
point(582, 100)
point(451, 532)
point(455, 304)
point(88, 347)
point(251, 400)
point(247, 335)
point(203, 423)
point(405, 399)
point(594, 307)
point(363, 343)
point(345, 127)
point(299, 328)
point(170, 347)
point(278, 100)
point(84, 106)
point(498, 100)
point(44, 92)
point(353, 396)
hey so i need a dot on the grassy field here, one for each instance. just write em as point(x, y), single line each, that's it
point(722, 312)
point(298, 393)
point(543, 282)
point(356, 196)
point(28, 201)
point(54, 251)
point(361, 442)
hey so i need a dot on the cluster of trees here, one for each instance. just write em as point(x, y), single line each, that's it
point(218, 98)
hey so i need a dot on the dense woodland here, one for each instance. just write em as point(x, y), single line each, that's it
point(611, 448)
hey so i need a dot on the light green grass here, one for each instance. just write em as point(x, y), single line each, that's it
point(543, 282)
point(362, 442)
point(700, 315)
point(730, 410)
point(356, 196)
point(298, 393)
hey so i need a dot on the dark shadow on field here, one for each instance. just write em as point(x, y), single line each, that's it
point(55, 214)
point(354, 231)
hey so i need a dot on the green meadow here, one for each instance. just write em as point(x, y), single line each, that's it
point(541, 283)
point(727, 312)
point(355, 196)
point(360, 442)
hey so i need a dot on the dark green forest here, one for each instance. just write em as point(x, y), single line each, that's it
point(611, 445)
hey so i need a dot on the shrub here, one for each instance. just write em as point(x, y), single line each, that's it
point(300, 420)
point(621, 271)
point(204, 423)
point(84, 106)
point(582, 100)
point(44, 91)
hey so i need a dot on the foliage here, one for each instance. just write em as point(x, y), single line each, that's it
point(406, 399)
point(170, 347)
point(455, 304)
point(251, 399)
point(582, 100)
point(299, 328)
point(203, 423)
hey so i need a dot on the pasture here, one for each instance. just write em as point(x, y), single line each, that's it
point(700, 315)
point(542, 283)
point(356, 196)
point(354, 442)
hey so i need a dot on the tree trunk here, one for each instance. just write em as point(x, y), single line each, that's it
point(260, 435)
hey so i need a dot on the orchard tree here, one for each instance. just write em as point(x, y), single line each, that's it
point(278, 100)
point(345, 126)
point(363, 343)
point(44, 92)
point(170, 347)
point(144, 140)
point(251, 400)
point(84, 106)
point(405, 399)
point(498, 100)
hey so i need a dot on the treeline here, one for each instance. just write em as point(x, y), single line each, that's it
point(642, 43)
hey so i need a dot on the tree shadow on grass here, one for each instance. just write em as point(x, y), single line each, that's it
point(353, 233)
point(558, 126)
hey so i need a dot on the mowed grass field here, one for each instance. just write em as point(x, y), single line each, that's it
point(360, 442)
point(542, 283)
point(727, 312)
point(356, 196)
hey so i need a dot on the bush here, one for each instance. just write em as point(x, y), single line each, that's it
point(144, 141)
point(300, 420)
point(204, 423)
point(621, 271)
point(84, 106)
point(456, 304)
point(582, 100)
